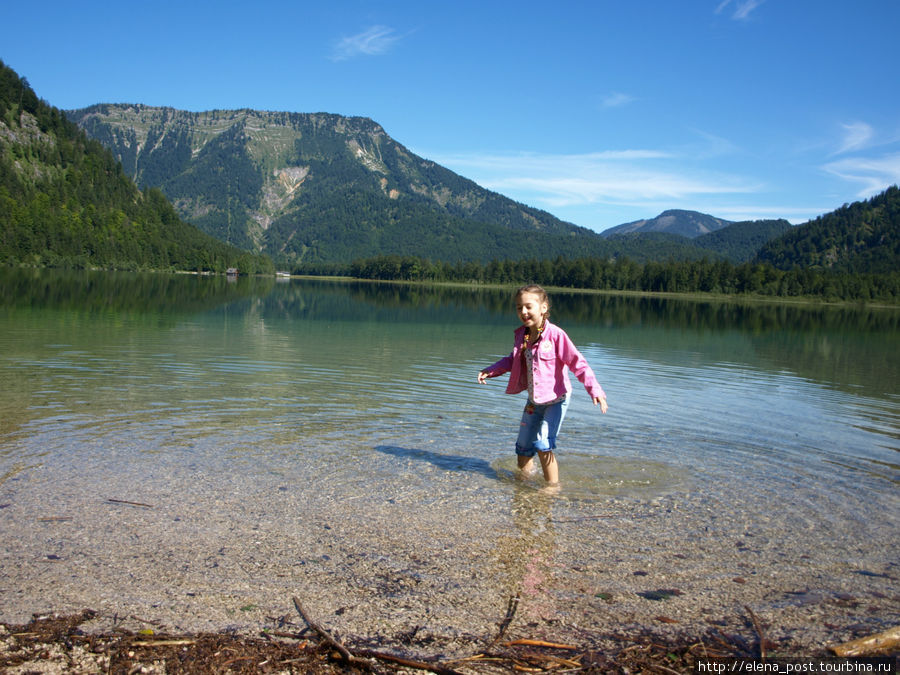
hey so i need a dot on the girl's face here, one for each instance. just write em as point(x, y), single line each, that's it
point(531, 310)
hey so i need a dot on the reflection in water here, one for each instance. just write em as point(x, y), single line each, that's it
point(525, 555)
point(584, 476)
point(300, 364)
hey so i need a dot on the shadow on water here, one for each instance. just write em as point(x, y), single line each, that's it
point(445, 462)
point(582, 476)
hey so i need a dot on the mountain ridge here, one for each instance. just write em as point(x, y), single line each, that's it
point(686, 223)
point(262, 180)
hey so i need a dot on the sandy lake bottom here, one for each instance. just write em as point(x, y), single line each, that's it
point(425, 548)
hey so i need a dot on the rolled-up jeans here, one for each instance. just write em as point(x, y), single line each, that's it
point(540, 426)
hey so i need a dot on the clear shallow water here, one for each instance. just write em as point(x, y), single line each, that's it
point(315, 425)
point(341, 374)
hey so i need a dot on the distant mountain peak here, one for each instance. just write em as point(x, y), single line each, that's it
point(689, 224)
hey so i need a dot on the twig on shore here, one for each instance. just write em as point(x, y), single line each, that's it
point(870, 644)
point(360, 657)
point(325, 635)
point(759, 633)
point(538, 643)
point(511, 608)
point(125, 501)
point(164, 643)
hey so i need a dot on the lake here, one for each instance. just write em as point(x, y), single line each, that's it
point(743, 441)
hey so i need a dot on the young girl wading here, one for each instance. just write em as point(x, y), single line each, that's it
point(539, 363)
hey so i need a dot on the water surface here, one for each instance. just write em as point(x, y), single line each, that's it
point(197, 391)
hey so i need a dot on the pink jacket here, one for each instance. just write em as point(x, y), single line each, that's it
point(554, 355)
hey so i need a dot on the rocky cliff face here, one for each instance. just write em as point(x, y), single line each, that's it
point(302, 186)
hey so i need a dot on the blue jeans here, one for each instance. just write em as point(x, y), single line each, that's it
point(540, 425)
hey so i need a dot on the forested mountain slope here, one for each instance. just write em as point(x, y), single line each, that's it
point(64, 200)
point(859, 238)
point(321, 187)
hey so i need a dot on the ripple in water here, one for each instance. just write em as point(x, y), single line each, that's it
point(583, 476)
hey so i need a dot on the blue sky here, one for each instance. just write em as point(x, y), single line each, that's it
point(599, 112)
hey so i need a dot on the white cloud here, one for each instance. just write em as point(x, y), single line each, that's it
point(371, 42)
point(739, 212)
point(876, 174)
point(742, 8)
point(616, 100)
point(615, 177)
point(856, 136)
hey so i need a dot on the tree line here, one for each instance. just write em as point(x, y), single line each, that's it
point(624, 274)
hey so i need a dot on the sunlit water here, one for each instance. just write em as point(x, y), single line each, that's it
point(366, 394)
point(351, 379)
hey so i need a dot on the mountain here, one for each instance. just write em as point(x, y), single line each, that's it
point(318, 187)
point(64, 200)
point(740, 242)
point(674, 221)
point(858, 238)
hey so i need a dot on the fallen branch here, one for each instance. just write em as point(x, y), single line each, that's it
point(511, 608)
point(325, 635)
point(409, 663)
point(163, 643)
point(360, 658)
point(125, 501)
point(759, 633)
point(538, 643)
point(869, 644)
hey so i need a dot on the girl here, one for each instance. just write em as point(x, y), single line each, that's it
point(540, 360)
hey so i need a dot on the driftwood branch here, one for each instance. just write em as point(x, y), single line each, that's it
point(360, 657)
point(125, 501)
point(869, 645)
point(759, 632)
point(511, 608)
point(539, 643)
point(325, 635)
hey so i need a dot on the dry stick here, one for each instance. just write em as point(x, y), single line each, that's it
point(870, 644)
point(125, 501)
point(539, 643)
point(410, 663)
point(759, 633)
point(511, 608)
point(163, 643)
point(345, 653)
point(363, 655)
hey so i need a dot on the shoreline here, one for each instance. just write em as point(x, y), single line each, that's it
point(439, 577)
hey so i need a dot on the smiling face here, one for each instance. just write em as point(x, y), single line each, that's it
point(531, 308)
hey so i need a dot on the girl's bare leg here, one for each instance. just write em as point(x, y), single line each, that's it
point(550, 467)
point(526, 464)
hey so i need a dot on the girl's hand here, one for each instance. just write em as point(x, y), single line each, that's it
point(482, 377)
point(602, 402)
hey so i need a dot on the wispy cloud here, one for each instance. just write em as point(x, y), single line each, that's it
point(857, 136)
point(874, 173)
point(620, 177)
point(740, 9)
point(616, 99)
point(374, 41)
